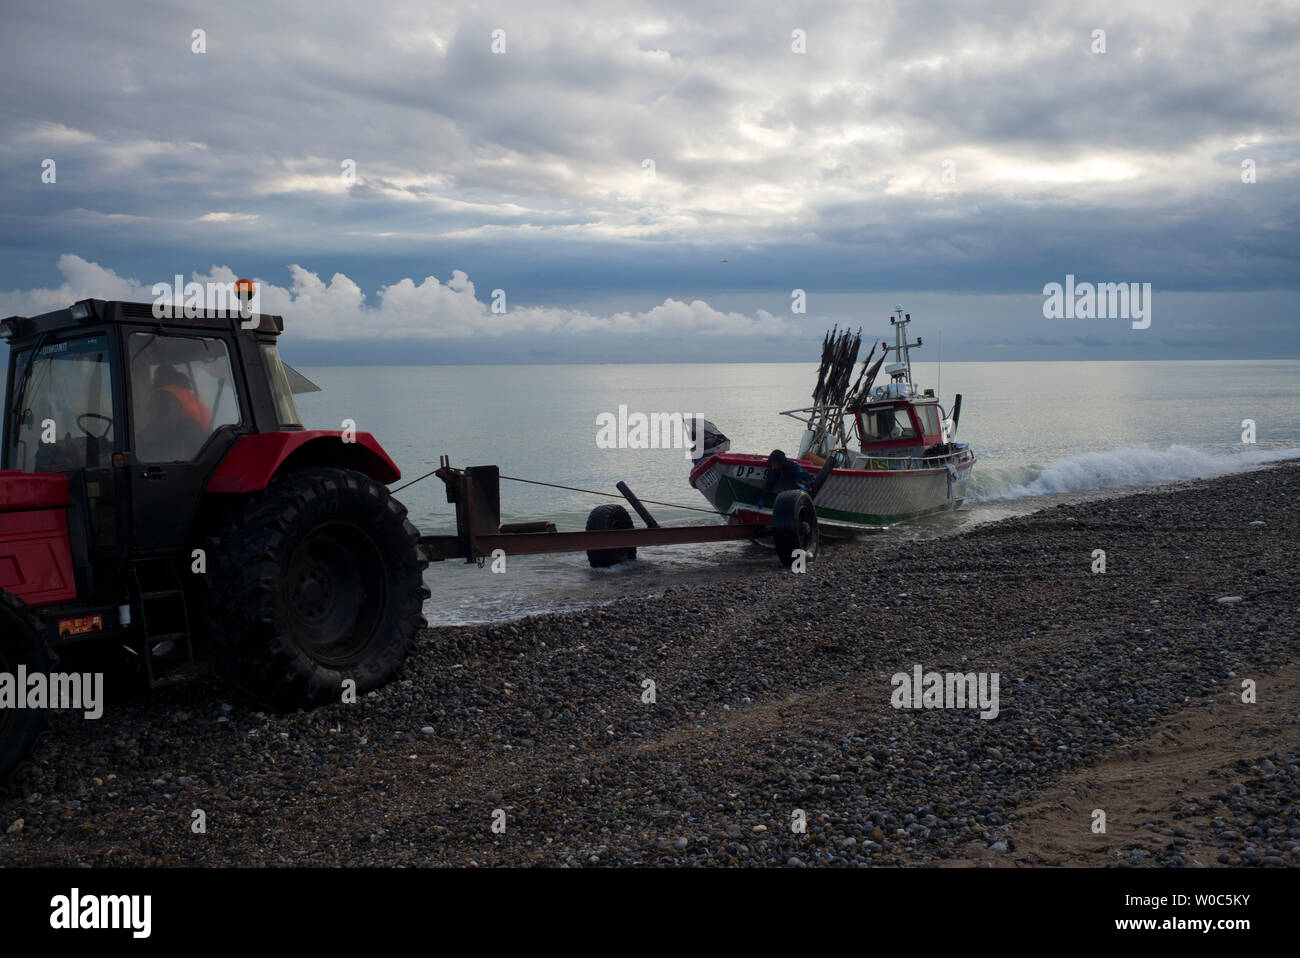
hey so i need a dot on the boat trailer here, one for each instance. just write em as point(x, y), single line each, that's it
point(610, 536)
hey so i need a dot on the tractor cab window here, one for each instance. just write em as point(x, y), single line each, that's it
point(183, 390)
point(286, 410)
point(62, 406)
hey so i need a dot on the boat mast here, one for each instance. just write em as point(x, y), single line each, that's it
point(900, 371)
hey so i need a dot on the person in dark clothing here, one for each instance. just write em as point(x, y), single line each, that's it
point(788, 473)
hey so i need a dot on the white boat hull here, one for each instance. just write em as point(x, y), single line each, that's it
point(850, 499)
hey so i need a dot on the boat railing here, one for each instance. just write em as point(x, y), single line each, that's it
point(810, 410)
point(911, 462)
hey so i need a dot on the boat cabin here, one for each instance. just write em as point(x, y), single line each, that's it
point(898, 429)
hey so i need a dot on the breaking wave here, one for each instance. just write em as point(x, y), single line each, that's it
point(1117, 468)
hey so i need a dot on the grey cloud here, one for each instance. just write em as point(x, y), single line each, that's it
point(818, 170)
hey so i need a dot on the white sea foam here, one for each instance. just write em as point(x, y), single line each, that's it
point(1118, 468)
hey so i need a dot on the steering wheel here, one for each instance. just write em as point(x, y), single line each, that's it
point(94, 415)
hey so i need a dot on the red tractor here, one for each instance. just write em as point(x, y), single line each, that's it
point(161, 505)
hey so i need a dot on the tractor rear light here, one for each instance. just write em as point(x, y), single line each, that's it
point(81, 311)
point(124, 615)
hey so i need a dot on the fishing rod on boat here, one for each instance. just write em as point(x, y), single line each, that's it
point(824, 368)
point(868, 380)
point(844, 372)
point(851, 398)
point(839, 354)
point(844, 376)
point(857, 385)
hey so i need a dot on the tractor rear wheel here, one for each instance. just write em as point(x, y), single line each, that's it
point(318, 580)
point(22, 642)
point(609, 516)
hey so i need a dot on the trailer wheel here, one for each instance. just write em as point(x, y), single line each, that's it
point(318, 580)
point(609, 516)
point(794, 526)
point(22, 642)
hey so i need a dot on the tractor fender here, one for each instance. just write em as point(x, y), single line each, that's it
point(255, 460)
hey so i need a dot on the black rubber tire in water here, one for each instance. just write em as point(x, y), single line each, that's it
point(609, 516)
point(317, 580)
point(794, 526)
point(22, 642)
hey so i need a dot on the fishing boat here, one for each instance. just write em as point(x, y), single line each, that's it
point(876, 455)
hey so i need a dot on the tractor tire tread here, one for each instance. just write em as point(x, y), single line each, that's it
point(20, 772)
point(248, 652)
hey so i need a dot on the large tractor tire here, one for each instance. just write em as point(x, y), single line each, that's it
point(609, 516)
point(794, 526)
point(318, 580)
point(22, 642)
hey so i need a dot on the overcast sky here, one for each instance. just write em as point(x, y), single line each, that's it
point(947, 157)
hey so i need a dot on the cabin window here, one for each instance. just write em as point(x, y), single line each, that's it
point(890, 422)
point(184, 391)
point(902, 425)
point(286, 411)
point(876, 424)
point(63, 407)
point(929, 419)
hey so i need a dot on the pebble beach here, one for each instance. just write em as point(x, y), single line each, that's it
point(752, 722)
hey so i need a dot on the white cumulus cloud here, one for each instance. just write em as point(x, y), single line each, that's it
point(338, 309)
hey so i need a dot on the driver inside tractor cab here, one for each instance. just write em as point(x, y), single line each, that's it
point(175, 410)
point(184, 391)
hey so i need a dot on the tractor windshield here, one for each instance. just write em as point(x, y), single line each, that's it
point(63, 406)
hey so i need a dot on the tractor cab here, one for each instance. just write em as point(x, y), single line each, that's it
point(138, 411)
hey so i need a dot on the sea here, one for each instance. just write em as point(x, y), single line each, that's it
point(1044, 434)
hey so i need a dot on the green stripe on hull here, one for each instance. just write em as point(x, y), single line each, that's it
point(858, 518)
